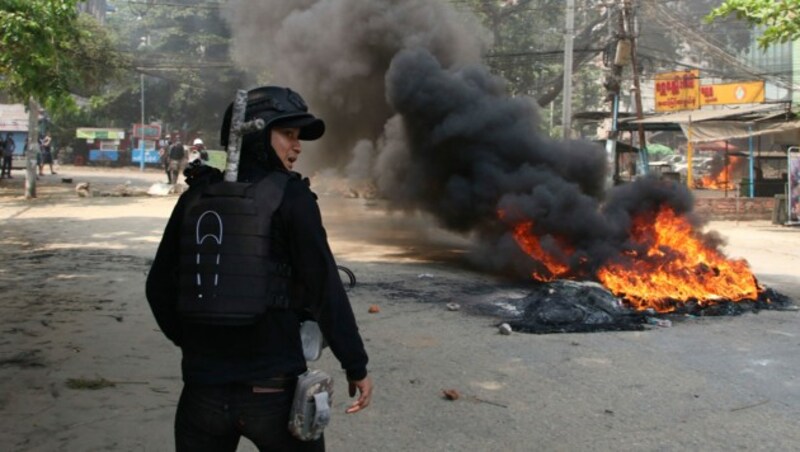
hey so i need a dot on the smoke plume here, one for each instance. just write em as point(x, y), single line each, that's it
point(335, 53)
point(402, 88)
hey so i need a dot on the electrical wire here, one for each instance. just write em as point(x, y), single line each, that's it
point(665, 17)
point(176, 5)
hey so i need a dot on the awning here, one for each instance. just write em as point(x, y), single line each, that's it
point(783, 132)
point(13, 118)
point(719, 145)
point(707, 115)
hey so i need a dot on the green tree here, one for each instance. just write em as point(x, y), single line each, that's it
point(528, 44)
point(182, 49)
point(672, 31)
point(781, 18)
point(48, 52)
point(529, 41)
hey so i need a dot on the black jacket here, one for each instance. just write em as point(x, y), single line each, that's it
point(272, 347)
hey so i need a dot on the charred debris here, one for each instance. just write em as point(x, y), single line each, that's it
point(565, 306)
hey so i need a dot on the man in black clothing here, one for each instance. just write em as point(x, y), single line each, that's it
point(239, 379)
point(7, 148)
point(176, 154)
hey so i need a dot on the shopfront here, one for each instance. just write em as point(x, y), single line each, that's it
point(103, 143)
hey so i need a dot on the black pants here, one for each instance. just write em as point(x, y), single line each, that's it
point(6, 169)
point(213, 418)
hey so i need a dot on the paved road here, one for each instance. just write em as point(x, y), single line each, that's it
point(704, 384)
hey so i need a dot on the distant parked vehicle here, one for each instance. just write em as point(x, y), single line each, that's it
point(700, 166)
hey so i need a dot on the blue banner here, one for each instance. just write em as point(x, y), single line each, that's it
point(98, 155)
point(150, 156)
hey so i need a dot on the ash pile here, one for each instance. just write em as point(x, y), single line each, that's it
point(566, 306)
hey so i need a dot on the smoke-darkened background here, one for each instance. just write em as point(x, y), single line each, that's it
point(410, 106)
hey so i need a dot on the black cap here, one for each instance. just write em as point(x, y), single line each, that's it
point(277, 106)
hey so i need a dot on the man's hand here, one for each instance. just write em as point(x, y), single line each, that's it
point(364, 394)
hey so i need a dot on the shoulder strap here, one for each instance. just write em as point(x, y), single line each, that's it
point(269, 193)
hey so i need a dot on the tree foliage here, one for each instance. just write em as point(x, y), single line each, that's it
point(529, 41)
point(781, 18)
point(182, 50)
point(672, 31)
point(528, 44)
point(49, 51)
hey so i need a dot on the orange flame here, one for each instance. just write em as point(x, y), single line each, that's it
point(674, 268)
point(721, 180)
point(531, 245)
point(677, 267)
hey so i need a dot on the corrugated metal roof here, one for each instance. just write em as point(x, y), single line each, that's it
point(13, 118)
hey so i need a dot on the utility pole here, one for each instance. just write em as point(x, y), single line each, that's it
point(632, 31)
point(141, 129)
point(612, 85)
point(145, 43)
point(566, 111)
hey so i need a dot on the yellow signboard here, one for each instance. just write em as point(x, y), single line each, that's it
point(678, 90)
point(732, 93)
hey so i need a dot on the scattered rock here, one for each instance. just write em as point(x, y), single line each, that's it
point(453, 306)
point(451, 394)
point(159, 189)
point(505, 329)
point(663, 323)
point(83, 190)
point(126, 190)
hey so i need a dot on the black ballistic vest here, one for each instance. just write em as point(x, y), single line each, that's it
point(226, 275)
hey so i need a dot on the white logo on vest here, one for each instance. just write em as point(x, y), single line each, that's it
point(200, 240)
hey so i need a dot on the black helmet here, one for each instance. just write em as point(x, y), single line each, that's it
point(276, 105)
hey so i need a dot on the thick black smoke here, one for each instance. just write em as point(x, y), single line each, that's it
point(336, 54)
point(401, 86)
point(473, 152)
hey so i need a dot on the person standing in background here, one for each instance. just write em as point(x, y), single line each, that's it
point(47, 154)
point(163, 155)
point(176, 156)
point(198, 151)
point(8, 148)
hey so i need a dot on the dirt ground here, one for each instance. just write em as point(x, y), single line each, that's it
point(73, 313)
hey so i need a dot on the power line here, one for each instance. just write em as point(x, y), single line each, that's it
point(662, 15)
point(526, 53)
point(176, 5)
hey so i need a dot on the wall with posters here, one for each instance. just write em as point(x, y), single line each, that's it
point(794, 185)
